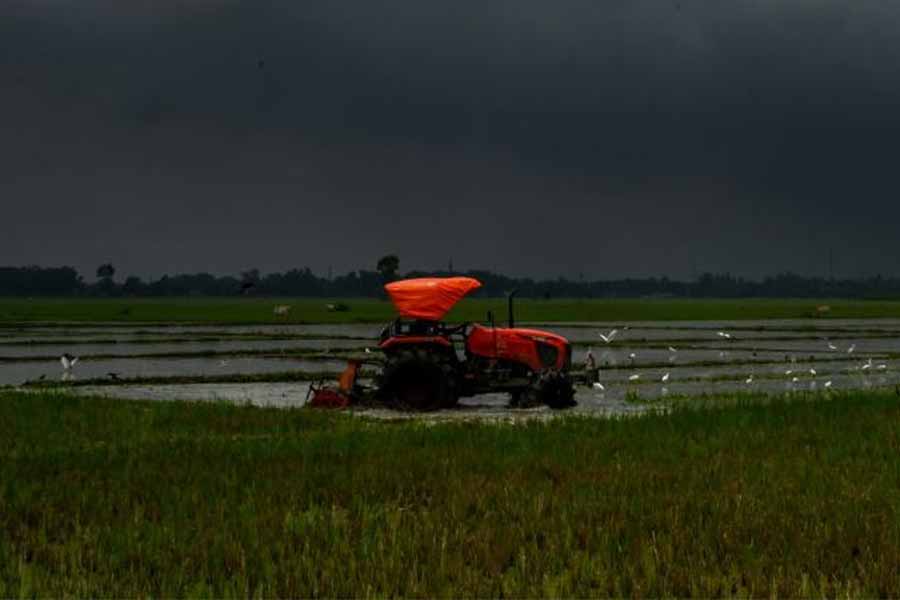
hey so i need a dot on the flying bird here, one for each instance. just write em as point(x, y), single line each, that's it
point(609, 336)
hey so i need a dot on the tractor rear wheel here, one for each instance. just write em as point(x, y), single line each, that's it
point(419, 379)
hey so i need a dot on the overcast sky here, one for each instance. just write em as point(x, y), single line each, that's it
point(614, 138)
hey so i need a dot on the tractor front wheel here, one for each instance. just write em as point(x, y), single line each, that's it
point(550, 388)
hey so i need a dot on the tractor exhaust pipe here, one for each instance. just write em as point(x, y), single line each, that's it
point(509, 299)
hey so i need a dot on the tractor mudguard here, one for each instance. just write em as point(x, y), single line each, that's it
point(415, 340)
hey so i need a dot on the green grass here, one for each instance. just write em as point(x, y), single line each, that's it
point(121, 499)
point(306, 310)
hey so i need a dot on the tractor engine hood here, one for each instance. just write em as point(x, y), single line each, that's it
point(537, 335)
point(429, 298)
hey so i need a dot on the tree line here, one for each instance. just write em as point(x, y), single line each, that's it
point(66, 281)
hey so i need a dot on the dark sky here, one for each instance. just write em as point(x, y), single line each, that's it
point(609, 138)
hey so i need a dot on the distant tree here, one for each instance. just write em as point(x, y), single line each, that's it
point(41, 281)
point(250, 276)
point(249, 280)
point(105, 285)
point(106, 271)
point(133, 286)
point(388, 266)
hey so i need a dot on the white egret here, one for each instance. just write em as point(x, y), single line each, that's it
point(828, 384)
point(599, 386)
point(665, 378)
point(634, 377)
point(812, 372)
point(672, 349)
point(609, 336)
point(749, 380)
point(851, 348)
point(68, 361)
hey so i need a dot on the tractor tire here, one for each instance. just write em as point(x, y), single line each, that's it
point(550, 388)
point(419, 379)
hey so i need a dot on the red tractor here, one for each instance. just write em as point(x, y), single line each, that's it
point(430, 364)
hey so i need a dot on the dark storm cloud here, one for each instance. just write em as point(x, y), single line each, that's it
point(611, 138)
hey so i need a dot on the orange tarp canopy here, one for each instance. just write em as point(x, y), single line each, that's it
point(429, 298)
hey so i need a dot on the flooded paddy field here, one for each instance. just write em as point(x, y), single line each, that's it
point(640, 364)
point(160, 368)
point(12, 352)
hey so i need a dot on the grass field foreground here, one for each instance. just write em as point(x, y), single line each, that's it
point(112, 498)
point(314, 310)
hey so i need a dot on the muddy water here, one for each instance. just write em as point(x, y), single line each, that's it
point(18, 373)
point(126, 349)
point(621, 356)
point(812, 325)
point(293, 395)
point(641, 335)
point(614, 401)
point(731, 361)
point(802, 371)
point(323, 330)
point(860, 345)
